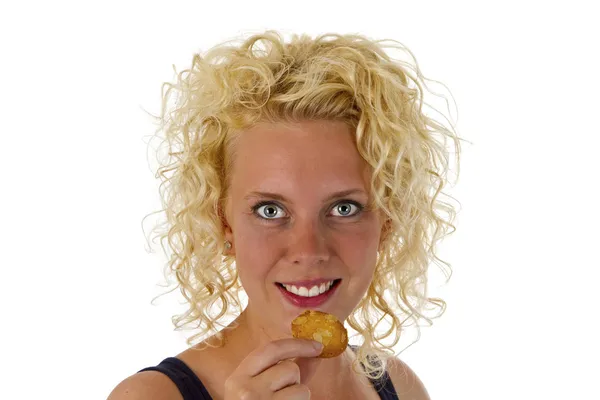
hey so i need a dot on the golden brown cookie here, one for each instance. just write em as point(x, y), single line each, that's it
point(324, 328)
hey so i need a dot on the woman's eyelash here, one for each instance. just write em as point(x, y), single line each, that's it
point(360, 207)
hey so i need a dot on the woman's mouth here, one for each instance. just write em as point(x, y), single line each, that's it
point(308, 295)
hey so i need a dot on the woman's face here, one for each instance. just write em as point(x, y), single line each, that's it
point(288, 222)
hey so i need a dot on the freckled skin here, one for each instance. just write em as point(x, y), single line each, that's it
point(305, 236)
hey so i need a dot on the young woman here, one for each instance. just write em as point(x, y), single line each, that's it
point(305, 174)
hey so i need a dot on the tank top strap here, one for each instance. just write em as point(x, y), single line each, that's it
point(188, 383)
point(384, 386)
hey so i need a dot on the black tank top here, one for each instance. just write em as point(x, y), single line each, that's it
point(191, 387)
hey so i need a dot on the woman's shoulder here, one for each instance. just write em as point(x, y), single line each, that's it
point(194, 373)
point(406, 382)
point(151, 385)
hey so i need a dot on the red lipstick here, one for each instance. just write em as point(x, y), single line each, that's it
point(308, 283)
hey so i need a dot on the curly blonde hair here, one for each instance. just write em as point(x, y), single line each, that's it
point(330, 77)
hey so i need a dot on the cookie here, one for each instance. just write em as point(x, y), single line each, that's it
point(324, 328)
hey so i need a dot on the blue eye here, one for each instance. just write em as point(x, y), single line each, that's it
point(345, 208)
point(269, 208)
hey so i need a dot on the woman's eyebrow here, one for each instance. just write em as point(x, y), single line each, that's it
point(280, 197)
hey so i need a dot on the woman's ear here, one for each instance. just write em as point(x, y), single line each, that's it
point(224, 224)
point(227, 231)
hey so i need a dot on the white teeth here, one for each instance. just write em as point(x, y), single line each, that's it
point(291, 288)
point(324, 286)
point(305, 292)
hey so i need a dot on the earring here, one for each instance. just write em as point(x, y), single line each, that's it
point(228, 245)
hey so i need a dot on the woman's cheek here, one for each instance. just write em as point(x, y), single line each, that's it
point(254, 250)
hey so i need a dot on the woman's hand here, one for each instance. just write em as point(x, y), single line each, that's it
point(269, 373)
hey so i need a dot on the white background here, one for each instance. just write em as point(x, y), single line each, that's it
point(77, 280)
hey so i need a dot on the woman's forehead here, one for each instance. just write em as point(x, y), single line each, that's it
point(284, 144)
point(310, 153)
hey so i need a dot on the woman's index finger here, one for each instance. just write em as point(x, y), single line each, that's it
point(278, 350)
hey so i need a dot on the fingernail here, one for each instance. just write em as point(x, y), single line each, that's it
point(318, 346)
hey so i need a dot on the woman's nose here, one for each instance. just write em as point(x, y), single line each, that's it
point(308, 244)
